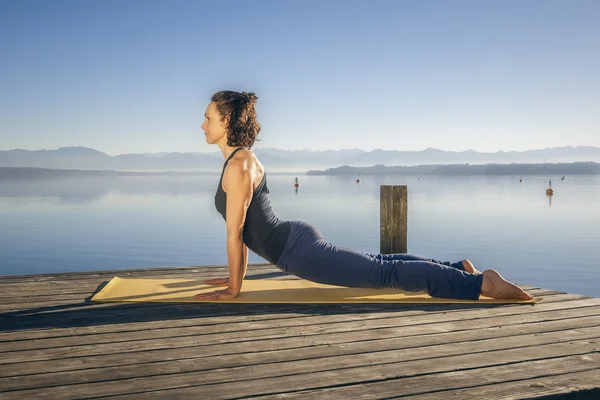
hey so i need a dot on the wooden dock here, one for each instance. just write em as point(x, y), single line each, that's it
point(56, 344)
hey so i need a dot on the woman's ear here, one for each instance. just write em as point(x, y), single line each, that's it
point(225, 122)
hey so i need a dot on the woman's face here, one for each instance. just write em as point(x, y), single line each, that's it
point(214, 129)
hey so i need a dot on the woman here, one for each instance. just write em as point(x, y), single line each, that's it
point(297, 247)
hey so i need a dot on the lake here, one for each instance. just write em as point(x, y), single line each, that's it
point(85, 224)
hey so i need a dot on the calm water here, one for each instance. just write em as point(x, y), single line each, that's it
point(75, 224)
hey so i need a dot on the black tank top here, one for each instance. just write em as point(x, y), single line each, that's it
point(264, 233)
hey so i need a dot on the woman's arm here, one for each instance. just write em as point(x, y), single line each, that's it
point(238, 186)
point(239, 196)
point(225, 281)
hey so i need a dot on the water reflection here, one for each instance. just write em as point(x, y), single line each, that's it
point(484, 191)
point(89, 190)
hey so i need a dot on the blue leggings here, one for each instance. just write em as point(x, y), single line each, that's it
point(309, 256)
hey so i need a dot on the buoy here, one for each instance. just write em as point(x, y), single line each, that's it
point(296, 184)
point(521, 180)
point(358, 179)
point(549, 191)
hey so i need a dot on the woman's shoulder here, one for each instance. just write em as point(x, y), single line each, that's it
point(245, 162)
point(244, 159)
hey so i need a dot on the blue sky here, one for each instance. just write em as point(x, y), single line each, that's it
point(135, 76)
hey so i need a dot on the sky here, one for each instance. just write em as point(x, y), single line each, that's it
point(125, 76)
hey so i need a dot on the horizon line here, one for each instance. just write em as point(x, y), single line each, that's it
point(311, 150)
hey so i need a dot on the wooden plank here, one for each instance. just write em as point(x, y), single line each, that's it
point(46, 303)
point(290, 317)
point(105, 314)
point(161, 317)
point(61, 347)
point(564, 375)
point(357, 312)
point(582, 385)
point(128, 319)
point(272, 328)
point(47, 291)
point(90, 282)
point(366, 352)
point(177, 273)
point(237, 354)
point(64, 286)
point(80, 274)
point(298, 348)
point(320, 333)
point(230, 383)
point(40, 279)
point(129, 272)
point(95, 313)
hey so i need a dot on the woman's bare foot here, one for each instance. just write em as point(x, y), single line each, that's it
point(469, 267)
point(496, 287)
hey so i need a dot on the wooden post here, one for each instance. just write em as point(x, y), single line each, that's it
point(393, 205)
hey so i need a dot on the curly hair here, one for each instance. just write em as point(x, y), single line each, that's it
point(243, 126)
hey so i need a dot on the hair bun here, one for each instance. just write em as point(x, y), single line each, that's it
point(250, 97)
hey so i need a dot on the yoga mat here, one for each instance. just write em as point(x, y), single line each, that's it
point(274, 291)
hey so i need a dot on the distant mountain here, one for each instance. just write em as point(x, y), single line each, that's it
point(560, 169)
point(284, 160)
point(32, 172)
point(90, 159)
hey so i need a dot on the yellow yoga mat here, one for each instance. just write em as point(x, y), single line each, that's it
point(274, 291)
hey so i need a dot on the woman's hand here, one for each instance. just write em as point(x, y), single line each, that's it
point(224, 294)
point(217, 282)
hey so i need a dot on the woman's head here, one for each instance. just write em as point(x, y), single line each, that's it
point(231, 117)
